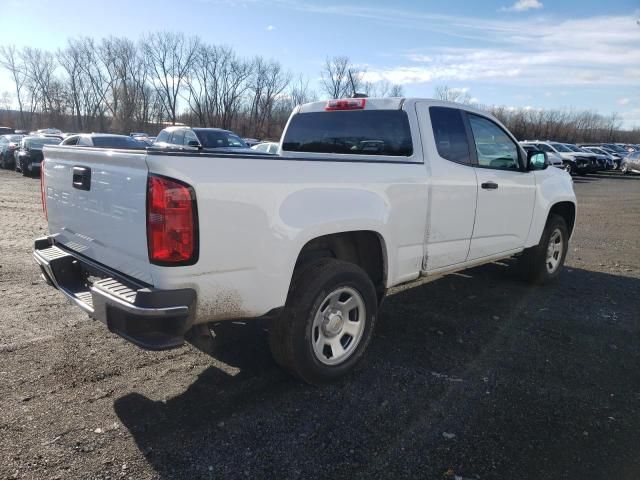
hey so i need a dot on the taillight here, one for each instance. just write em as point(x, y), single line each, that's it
point(346, 104)
point(43, 193)
point(172, 223)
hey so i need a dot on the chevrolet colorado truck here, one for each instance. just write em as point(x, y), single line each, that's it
point(364, 194)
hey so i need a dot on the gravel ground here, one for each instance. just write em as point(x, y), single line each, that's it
point(475, 375)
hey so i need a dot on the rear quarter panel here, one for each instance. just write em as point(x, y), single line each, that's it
point(256, 214)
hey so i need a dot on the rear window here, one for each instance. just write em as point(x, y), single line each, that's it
point(116, 142)
point(450, 134)
point(363, 132)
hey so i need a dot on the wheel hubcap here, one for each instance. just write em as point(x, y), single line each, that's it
point(554, 251)
point(338, 326)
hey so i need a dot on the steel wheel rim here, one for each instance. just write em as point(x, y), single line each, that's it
point(338, 326)
point(554, 251)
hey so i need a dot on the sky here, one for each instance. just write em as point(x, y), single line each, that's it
point(542, 54)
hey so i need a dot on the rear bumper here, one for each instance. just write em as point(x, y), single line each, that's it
point(150, 318)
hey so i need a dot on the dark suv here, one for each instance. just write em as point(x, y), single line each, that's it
point(29, 155)
point(200, 139)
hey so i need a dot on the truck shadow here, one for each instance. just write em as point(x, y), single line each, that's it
point(500, 365)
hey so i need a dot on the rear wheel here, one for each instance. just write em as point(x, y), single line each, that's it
point(542, 263)
point(624, 169)
point(568, 168)
point(328, 321)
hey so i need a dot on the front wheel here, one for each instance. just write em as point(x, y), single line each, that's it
point(542, 264)
point(327, 323)
point(625, 169)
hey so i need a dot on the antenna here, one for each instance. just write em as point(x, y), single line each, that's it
point(355, 94)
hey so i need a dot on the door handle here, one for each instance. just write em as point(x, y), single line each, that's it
point(82, 178)
point(489, 185)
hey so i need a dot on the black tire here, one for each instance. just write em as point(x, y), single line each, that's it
point(25, 171)
point(569, 168)
point(533, 262)
point(3, 165)
point(291, 335)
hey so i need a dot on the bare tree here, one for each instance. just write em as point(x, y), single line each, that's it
point(170, 59)
point(396, 91)
point(10, 59)
point(458, 95)
point(340, 79)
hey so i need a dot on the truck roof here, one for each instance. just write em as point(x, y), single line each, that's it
point(394, 103)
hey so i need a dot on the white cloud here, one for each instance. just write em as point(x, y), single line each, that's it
point(624, 101)
point(549, 53)
point(270, 28)
point(523, 6)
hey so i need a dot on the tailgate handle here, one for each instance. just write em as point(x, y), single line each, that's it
point(82, 178)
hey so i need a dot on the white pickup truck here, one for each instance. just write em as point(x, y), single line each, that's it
point(364, 194)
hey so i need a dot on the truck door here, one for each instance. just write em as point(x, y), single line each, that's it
point(453, 185)
point(506, 192)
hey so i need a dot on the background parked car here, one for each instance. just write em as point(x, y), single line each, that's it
point(631, 163)
point(252, 141)
point(104, 140)
point(612, 160)
point(48, 131)
point(29, 155)
point(6, 130)
point(266, 147)
point(8, 146)
point(141, 137)
point(596, 164)
point(553, 158)
point(572, 163)
point(612, 149)
point(200, 138)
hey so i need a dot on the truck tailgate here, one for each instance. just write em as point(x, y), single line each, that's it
point(96, 205)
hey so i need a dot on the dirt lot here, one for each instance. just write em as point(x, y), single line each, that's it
point(476, 375)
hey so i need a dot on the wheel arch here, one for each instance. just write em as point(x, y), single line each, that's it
point(566, 210)
point(365, 248)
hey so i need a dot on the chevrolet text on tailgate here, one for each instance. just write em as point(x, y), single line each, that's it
point(364, 194)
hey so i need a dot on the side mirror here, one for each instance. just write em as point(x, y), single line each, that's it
point(537, 160)
point(193, 143)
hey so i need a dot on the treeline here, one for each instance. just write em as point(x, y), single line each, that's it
point(118, 85)
point(565, 126)
point(571, 126)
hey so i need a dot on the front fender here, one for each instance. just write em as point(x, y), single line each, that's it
point(553, 186)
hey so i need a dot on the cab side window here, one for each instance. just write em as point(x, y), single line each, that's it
point(177, 138)
point(494, 147)
point(190, 136)
point(450, 134)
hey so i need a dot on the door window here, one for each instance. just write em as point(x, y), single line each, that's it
point(178, 137)
point(189, 136)
point(494, 147)
point(450, 134)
